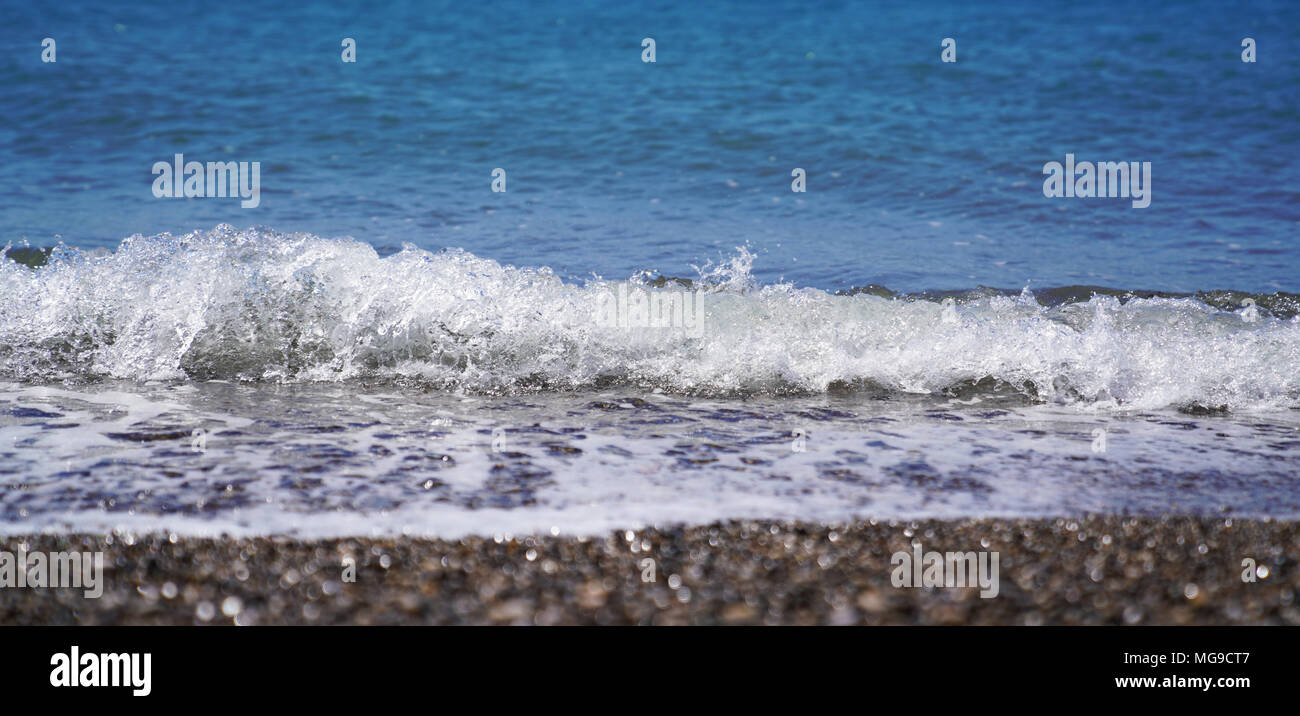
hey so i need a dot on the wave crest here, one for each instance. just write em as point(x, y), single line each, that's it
point(256, 305)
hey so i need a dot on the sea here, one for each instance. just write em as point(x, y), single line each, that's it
point(506, 275)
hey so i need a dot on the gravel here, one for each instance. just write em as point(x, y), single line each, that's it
point(1089, 570)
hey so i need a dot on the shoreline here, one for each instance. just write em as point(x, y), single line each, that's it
point(1101, 569)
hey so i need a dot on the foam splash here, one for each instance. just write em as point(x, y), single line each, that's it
point(257, 305)
point(329, 459)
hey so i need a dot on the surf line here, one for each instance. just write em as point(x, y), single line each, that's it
point(1103, 179)
point(183, 180)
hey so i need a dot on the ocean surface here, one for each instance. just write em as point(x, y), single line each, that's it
point(385, 345)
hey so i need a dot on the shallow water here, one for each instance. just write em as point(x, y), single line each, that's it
point(321, 460)
point(336, 391)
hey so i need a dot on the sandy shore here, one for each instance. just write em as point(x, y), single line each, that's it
point(1098, 570)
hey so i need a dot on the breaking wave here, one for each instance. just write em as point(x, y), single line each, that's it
point(257, 305)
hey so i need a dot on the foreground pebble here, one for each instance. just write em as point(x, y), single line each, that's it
point(1093, 570)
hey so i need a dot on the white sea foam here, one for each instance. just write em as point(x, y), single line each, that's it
point(319, 460)
point(258, 305)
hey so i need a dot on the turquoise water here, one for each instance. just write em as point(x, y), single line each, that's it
point(920, 174)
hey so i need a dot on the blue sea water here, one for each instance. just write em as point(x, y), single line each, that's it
point(386, 345)
point(920, 174)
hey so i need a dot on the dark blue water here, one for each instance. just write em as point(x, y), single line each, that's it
point(920, 174)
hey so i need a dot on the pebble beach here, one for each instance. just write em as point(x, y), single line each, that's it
point(1065, 571)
